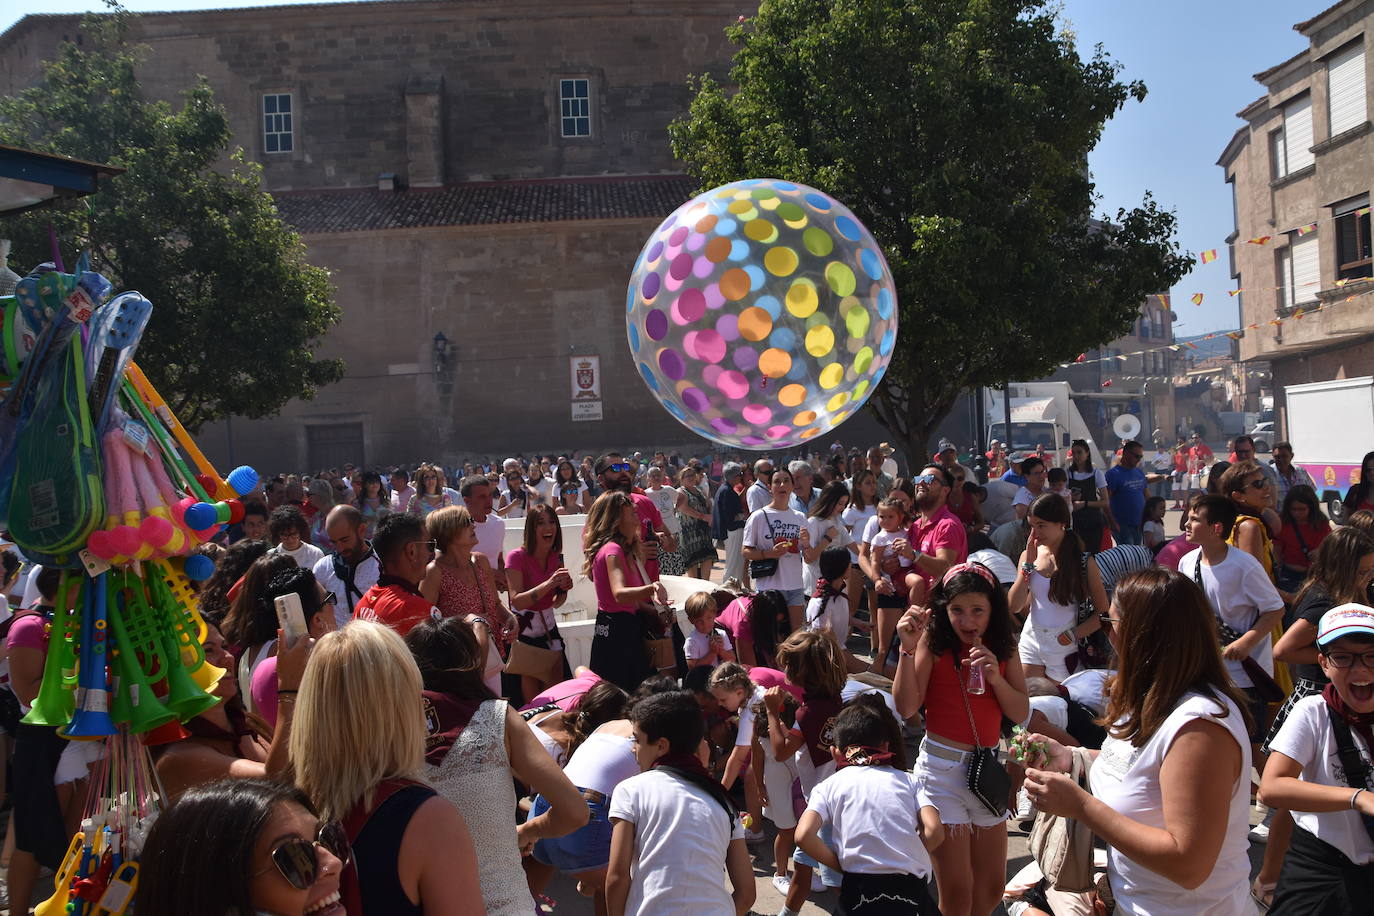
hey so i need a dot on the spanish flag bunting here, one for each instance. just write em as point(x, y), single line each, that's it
point(1251, 327)
point(1234, 335)
point(1363, 211)
point(1308, 229)
point(1276, 321)
point(1196, 298)
point(1298, 314)
point(1208, 256)
point(1233, 293)
point(1259, 240)
point(1107, 383)
point(1081, 357)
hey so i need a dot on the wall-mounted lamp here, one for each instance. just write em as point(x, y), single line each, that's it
point(440, 350)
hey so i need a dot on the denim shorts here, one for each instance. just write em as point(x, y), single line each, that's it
point(829, 876)
point(585, 849)
point(794, 596)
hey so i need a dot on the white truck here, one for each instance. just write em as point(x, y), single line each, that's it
point(1043, 415)
point(1331, 426)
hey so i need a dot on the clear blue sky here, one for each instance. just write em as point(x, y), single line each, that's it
point(1196, 57)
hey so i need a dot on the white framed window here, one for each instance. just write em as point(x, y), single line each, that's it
point(1290, 147)
point(278, 128)
point(1345, 89)
point(1300, 269)
point(575, 107)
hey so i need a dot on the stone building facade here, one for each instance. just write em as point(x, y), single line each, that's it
point(1301, 170)
point(478, 177)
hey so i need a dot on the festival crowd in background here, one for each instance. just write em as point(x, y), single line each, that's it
point(884, 668)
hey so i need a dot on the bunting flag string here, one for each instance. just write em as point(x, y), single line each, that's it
point(1234, 334)
point(1208, 256)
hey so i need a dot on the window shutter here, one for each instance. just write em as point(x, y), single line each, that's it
point(1345, 85)
point(1286, 276)
point(1297, 129)
point(1306, 268)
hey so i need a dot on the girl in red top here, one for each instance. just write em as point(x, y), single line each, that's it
point(960, 651)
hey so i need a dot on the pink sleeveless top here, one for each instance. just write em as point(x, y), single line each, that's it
point(459, 599)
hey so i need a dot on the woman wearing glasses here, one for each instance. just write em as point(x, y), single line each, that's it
point(1170, 788)
point(430, 492)
point(1246, 485)
point(357, 750)
point(242, 846)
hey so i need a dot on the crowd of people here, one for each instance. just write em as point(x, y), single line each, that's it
point(1048, 651)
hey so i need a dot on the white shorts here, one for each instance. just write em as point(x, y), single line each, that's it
point(778, 777)
point(946, 787)
point(1040, 646)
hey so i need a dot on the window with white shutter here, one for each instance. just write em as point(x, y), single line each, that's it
point(1297, 132)
point(1302, 277)
point(1345, 89)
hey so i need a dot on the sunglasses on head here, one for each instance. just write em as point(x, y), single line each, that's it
point(295, 858)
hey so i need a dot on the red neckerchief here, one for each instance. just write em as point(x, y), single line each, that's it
point(824, 590)
point(859, 755)
point(690, 763)
point(1362, 722)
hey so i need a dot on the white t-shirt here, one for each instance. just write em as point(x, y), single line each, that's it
point(1155, 534)
point(764, 529)
point(491, 537)
point(681, 839)
point(997, 507)
point(757, 496)
point(839, 537)
point(1306, 737)
point(834, 618)
point(855, 519)
point(884, 538)
point(1025, 497)
point(1239, 590)
point(665, 499)
point(874, 813)
point(364, 577)
point(997, 562)
point(31, 593)
point(871, 528)
point(1126, 779)
point(744, 734)
point(698, 645)
point(545, 490)
point(306, 555)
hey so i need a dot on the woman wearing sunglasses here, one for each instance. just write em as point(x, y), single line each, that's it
point(357, 749)
point(239, 847)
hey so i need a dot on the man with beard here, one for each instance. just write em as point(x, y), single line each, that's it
point(615, 473)
point(936, 539)
point(352, 568)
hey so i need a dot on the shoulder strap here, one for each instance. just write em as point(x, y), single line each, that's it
point(959, 679)
point(353, 824)
point(1228, 633)
point(1356, 769)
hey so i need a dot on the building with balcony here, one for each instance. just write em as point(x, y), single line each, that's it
point(1301, 169)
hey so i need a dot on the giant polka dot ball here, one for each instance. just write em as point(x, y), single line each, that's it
point(761, 314)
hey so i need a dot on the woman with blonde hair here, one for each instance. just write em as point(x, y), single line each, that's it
point(462, 584)
point(357, 749)
point(430, 492)
point(612, 561)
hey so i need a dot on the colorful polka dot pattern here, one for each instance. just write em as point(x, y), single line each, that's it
point(761, 314)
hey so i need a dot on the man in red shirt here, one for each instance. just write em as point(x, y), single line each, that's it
point(936, 540)
point(404, 550)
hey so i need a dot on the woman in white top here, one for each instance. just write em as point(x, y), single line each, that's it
point(1092, 506)
point(777, 533)
point(1171, 786)
point(1056, 577)
point(827, 529)
point(863, 502)
point(474, 744)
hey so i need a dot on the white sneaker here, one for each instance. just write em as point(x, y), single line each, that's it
point(1025, 811)
point(782, 884)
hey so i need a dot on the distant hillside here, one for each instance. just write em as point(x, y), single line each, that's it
point(1219, 346)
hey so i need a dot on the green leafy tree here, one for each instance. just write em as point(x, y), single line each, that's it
point(237, 311)
point(958, 131)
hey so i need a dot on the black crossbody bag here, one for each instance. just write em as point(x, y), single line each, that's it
point(762, 569)
point(987, 777)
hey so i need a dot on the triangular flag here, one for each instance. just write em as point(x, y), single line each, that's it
point(1196, 298)
point(1259, 240)
point(1308, 229)
point(1233, 293)
point(1234, 335)
point(1298, 314)
point(1208, 256)
point(1081, 357)
point(1107, 383)
point(1363, 211)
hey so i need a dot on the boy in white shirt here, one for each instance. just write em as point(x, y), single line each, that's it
point(1242, 595)
point(705, 643)
point(882, 826)
point(673, 828)
point(1319, 768)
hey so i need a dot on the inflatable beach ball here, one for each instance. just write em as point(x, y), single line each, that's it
point(761, 314)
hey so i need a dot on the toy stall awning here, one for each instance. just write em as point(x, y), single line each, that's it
point(29, 180)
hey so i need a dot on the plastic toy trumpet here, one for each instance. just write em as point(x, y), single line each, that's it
point(91, 717)
point(55, 701)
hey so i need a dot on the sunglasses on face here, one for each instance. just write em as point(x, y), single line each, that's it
point(431, 545)
point(329, 598)
point(1107, 620)
point(925, 479)
point(295, 858)
point(1347, 659)
point(1261, 484)
point(621, 467)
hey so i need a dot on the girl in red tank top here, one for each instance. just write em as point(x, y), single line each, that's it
point(958, 663)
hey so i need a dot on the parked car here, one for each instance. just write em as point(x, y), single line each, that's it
point(1262, 433)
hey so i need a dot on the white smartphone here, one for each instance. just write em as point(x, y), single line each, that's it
point(291, 617)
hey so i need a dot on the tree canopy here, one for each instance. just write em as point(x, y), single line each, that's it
point(958, 131)
point(237, 311)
